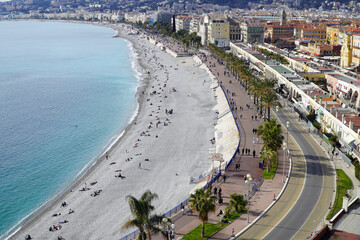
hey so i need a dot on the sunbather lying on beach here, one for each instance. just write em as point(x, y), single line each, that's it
point(120, 176)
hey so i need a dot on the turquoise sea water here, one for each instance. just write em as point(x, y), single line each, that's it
point(66, 91)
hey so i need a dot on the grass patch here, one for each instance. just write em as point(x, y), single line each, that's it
point(272, 170)
point(342, 185)
point(211, 228)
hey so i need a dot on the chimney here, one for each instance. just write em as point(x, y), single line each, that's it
point(343, 119)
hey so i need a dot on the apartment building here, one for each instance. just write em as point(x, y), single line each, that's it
point(182, 23)
point(318, 35)
point(275, 32)
point(194, 24)
point(219, 30)
point(252, 32)
point(332, 34)
point(235, 30)
point(356, 50)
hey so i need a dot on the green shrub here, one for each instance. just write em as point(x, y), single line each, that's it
point(317, 125)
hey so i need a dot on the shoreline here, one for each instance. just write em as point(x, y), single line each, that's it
point(91, 166)
point(144, 83)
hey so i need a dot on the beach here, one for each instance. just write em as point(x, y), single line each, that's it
point(167, 143)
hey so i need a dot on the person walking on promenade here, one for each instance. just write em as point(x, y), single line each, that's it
point(254, 153)
point(215, 190)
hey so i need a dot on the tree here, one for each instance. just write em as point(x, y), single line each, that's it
point(237, 202)
point(270, 156)
point(271, 134)
point(141, 210)
point(270, 99)
point(203, 202)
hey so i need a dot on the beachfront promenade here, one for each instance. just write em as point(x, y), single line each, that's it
point(263, 199)
point(234, 182)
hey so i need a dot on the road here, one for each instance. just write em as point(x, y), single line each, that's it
point(305, 202)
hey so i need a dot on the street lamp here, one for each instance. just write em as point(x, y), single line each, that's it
point(248, 182)
point(166, 226)
point(287, 133)
point(284, 148)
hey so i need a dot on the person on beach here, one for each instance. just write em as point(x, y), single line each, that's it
point(139, 165)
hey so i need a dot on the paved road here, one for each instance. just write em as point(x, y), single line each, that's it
point(303, 205)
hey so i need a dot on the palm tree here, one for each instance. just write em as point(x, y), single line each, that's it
point(203, 202)
point(141, 210)
point(270, 99)
point(255, 87)
point(271, 134)
point(270, 156)
point(237, 202)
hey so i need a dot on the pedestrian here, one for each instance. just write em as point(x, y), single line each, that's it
point(183, 210)
point(220, 190)
point(253, 140)
point(252, 117)
point(139, 165)
point(224, 177)
point(215, 190)
point(244, 177)
point(173, 227)
point(274, 197)
point(254, 153)
point(242, 152)
point(106, 156)
point(255, 117)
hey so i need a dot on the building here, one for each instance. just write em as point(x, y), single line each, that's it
point(346, 52)
point(203, 29)
point(283, 18)
point(356, 50)
point(235, 30)
point(318, 35)
point(194, 24)
point(219, 30)
point(252, 32)
point(275, 32)
point(164, 17)
point(332, 35)
point(182, 23)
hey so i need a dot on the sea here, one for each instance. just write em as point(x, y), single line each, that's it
point(67, 92)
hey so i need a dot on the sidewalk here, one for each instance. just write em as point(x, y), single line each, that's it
point(337, 161)
point(248, 164)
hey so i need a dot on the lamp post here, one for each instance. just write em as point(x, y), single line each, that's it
point(287, 133)
point(284, 148)
point(248, 182)
point(166, 226)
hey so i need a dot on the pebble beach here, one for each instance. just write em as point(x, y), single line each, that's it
point(167, 143)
